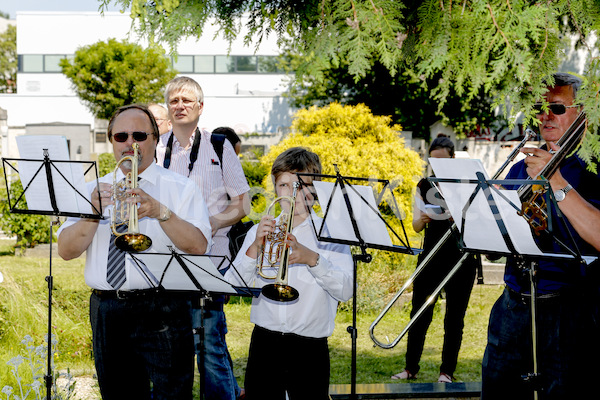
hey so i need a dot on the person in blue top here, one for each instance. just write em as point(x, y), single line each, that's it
point(563, 308)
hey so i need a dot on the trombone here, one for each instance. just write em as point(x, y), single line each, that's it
point(131, 240)
point(529, 134)
point(276, 251)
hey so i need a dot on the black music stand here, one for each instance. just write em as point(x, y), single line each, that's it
point(196, 274)
point(514, 233)
point(43, 180)
point(352, 197)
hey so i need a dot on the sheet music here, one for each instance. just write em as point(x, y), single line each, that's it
point(38, 194)
point(371, 227)
point(201, 267)
point(481, 229)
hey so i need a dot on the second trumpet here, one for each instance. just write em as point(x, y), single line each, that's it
point(275, 251)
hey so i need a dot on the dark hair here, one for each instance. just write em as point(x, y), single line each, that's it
point(442, 142)
point(564, 79)
point(229, 134)
point(296, 159)
point(140, 107)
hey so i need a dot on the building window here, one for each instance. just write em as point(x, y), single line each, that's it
point(184, 64)
point(101, 137)
point(31, 63)
point(52, 63)
point(246, 64)
point(224, 64)
point(204, 64)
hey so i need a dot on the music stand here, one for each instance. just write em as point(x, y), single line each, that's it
point(481, 207)
point(52, 187)
point(195, 274)
point(351, 217)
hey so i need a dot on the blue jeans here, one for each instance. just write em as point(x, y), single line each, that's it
point(220, 383)
point(141, 341)
point(563, 344)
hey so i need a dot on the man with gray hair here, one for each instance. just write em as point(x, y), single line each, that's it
point(189, 150)
point(562, 288)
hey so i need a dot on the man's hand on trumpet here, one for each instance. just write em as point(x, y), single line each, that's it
point(148, 206)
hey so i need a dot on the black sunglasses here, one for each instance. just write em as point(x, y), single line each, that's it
point(137, 136)
point(556, 108)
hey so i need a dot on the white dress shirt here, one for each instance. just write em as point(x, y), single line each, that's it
point(320, 287)
point(178, 193)
point(214, 183)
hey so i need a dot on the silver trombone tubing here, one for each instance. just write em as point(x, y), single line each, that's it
point(529, 134)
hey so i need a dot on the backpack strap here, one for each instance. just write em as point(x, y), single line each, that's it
point(218, 141)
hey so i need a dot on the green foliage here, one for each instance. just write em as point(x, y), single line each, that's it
point(106, 163)
point(504, 49)
point(30, 229)
point(8, 60)
point(108, 75)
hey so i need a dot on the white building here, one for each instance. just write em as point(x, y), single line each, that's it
point(242, 87)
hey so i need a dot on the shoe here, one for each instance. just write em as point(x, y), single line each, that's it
point(242, 395)
point(445, 378)
point(406, 374)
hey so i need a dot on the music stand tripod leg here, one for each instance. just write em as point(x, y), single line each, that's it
point(200, 331)
point(533, 378)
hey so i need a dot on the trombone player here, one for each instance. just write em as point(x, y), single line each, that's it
point(142, 337)
point(563, 324)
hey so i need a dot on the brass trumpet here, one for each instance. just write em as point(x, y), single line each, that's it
point(275, 251)
point(131, 240)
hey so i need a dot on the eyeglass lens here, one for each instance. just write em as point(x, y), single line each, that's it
point(557, 109)
point(137, 136)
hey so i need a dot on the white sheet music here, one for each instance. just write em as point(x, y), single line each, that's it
point(481, 231)
point(201, 267)
point(38, 194)
point(371, 227)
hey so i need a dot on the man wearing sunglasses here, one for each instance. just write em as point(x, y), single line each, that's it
point(142, 336)
point(189, 150)
point(565, 291)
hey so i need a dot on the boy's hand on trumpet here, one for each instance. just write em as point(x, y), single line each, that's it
point(301, 254)
point(265, 226)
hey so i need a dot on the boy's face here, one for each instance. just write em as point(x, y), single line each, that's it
point(304, 196)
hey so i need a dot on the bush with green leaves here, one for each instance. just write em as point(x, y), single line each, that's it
point(30, 229)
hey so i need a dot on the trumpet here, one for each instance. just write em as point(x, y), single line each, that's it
point(131, 240)
point(275, 252)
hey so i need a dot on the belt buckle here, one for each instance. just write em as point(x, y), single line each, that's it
point(122, 294)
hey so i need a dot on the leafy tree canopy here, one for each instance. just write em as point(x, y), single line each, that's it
point(8, 60)
point(504, 47)
point(108, 75)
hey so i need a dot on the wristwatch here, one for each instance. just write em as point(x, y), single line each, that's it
point(166, 214)
point(560, 194)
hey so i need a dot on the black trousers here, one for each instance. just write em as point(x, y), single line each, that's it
point(458, 291)
point(279, 362)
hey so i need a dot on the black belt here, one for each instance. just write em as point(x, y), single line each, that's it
point(127, 294)
point(526, 297)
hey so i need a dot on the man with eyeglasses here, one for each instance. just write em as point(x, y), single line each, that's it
point(566, 292)
point(142, 336)
point(189, 150)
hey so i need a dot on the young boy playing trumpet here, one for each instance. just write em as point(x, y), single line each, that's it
point(288, 348)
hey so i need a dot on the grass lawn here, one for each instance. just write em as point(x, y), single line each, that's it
point(23, 311)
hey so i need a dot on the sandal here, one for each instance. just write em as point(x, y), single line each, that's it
point(406, 374)
point(445, 378)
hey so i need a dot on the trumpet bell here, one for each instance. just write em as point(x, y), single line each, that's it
point(279, 292)
point(133, 242)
